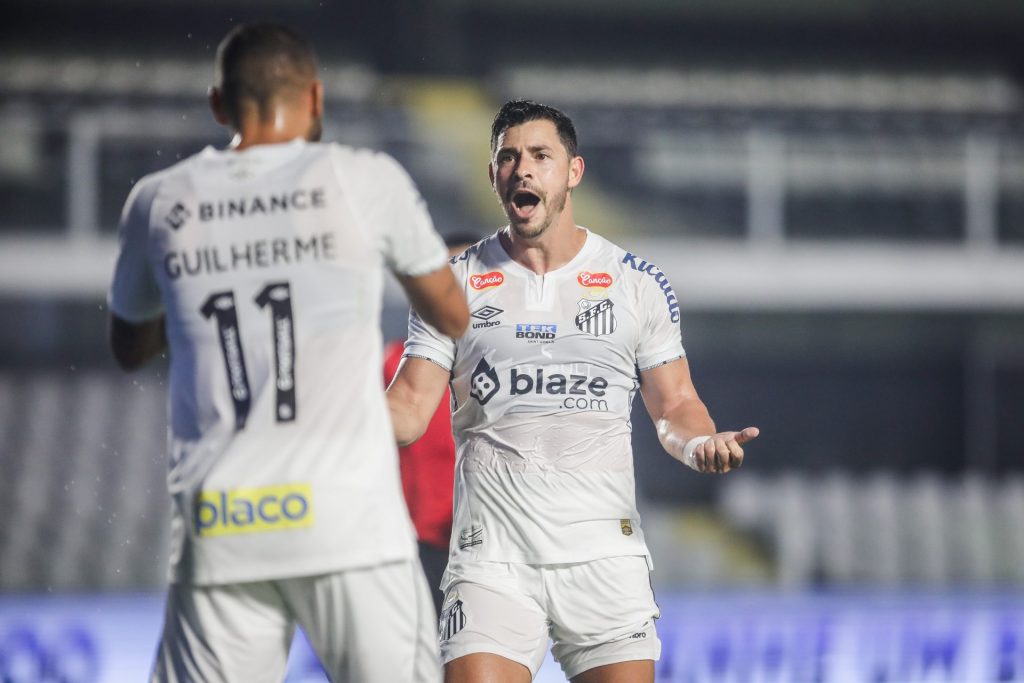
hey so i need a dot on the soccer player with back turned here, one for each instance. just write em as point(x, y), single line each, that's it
point(260, 269)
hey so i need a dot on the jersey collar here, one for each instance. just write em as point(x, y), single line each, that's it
point(512, 267)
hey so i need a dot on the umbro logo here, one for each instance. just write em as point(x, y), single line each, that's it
point(485, 314)
point(471, 537)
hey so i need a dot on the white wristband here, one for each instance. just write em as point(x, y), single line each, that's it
point(691, 445)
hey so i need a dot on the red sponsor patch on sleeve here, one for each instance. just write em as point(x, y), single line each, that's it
point(588, 279)
point(487, 280)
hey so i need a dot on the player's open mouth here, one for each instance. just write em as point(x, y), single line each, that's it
point(524, 203)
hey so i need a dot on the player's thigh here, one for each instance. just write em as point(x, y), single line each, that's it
point(372, 624)
point(492, 613)
point(635, 671)
point(603, 613)
point(484, 666)
point(223, 634)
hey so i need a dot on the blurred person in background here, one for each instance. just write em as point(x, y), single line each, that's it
point(260, 269)
point(428, 465)
point(566, 327)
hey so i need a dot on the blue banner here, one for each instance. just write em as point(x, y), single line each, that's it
point(706, 638)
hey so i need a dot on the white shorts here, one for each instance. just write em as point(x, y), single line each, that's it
point(596, 613)
point(373, 624)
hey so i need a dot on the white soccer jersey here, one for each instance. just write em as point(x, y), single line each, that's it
point(268, 265)
point(542, 385)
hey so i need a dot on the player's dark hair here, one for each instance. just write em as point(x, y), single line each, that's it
point(259, 62)
point(517, 112)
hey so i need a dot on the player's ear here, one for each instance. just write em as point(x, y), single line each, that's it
point(220, 114)
point(575, 171)
point(490, 174)
point(317, 97)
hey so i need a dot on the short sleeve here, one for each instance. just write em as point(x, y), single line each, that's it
point(398, 219)
point(426, 342)
point(660, 338)
point(134, 295)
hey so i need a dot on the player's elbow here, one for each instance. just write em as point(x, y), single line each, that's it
point(409, 430)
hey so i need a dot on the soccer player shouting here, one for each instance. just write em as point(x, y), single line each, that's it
point(565, 328)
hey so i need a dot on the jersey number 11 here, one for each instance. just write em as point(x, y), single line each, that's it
point(221, 306)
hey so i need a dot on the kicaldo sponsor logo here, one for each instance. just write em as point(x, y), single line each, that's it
point(487, 280)
point(245, 511)
point(588, 279)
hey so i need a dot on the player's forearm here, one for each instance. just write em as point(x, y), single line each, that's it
point(683, 422)
point(406, 418)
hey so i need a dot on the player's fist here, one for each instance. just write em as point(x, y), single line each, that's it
point(722, 452)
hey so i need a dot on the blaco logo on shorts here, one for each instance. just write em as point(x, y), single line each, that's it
point(245, 511)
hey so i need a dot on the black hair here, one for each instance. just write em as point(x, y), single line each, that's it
point(259, 62)
point(517, 112)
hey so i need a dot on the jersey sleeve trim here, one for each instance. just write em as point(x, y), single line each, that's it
point(439, 364)
point(651, 365)
point(434, 355)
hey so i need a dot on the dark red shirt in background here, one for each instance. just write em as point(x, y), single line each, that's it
point(428, 466)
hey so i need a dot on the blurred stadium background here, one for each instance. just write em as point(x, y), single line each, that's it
point(836, 190)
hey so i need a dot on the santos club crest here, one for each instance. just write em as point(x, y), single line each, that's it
point(596, 317)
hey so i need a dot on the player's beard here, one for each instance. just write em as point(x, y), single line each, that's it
point(551, 212)
point(316, 130)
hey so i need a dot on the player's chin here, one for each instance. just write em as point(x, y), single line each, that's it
point(527, 229)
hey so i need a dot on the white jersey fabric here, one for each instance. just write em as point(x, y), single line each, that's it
point(542, 385)
point(268, 265)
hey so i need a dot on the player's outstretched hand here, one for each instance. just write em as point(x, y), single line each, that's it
point(723, 451)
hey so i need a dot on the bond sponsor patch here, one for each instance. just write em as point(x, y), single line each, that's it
point(487, 280)
point(536, 332)
point(596, 317)
point(588, 279)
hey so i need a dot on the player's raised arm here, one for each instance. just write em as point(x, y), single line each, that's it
point(685, 427)
point(413, 396)
point(438, 300)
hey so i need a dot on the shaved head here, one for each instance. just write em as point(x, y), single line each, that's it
point(258, 64)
